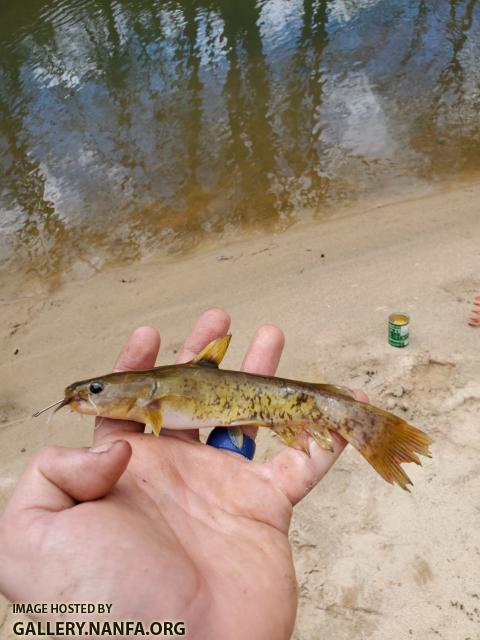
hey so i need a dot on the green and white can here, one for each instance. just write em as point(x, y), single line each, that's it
point(398, 329)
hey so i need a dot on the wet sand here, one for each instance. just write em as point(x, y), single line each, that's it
point(372, 561)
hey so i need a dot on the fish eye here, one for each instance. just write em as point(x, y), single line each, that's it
point(95, 387)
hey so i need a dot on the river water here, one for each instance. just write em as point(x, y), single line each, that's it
point(136, 128)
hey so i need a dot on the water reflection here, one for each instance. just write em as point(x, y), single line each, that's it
point(128, 128)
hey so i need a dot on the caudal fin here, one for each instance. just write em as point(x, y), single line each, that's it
point(386, 441)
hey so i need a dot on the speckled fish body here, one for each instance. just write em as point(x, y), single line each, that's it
point(195, 396)
point(199, 394)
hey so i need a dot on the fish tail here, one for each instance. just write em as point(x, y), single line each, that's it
point(385, 441)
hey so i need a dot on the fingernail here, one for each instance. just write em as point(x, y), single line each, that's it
point(102, 448)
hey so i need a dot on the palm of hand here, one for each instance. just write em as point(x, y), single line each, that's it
point(188, 533)
point(185, 532)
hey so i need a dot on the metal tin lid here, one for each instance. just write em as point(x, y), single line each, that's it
point(399, 319)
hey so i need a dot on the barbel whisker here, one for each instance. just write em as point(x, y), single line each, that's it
point(97, 412)
point(50, 406)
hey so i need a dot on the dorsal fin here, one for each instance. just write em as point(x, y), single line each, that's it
point(213, 353)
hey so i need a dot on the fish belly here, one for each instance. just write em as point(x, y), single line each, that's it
point(173, 418)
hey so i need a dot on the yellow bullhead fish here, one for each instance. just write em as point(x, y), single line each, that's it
point(199, 394)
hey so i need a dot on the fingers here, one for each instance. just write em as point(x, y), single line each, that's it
point(140, 352)
point(296, 474)
point(360, 395)
point(264, 351)
point(263, 356)
point(58, 478)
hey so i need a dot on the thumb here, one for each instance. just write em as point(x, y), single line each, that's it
point(58, 478)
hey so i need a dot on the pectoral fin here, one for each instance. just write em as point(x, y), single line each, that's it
point(153, 417)
point(170, 411)
point(213, 353)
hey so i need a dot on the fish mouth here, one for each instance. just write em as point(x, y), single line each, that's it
point(73, 401)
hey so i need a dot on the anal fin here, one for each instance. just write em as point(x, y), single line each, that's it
point(296, 435)
point(321, 435)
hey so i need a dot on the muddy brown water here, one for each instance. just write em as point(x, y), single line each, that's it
point(137, 128)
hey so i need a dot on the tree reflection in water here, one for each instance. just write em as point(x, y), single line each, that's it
point(128, 128)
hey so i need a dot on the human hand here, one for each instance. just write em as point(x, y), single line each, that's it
point(184, 532)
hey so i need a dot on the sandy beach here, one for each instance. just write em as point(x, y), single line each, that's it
point(372, 561)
